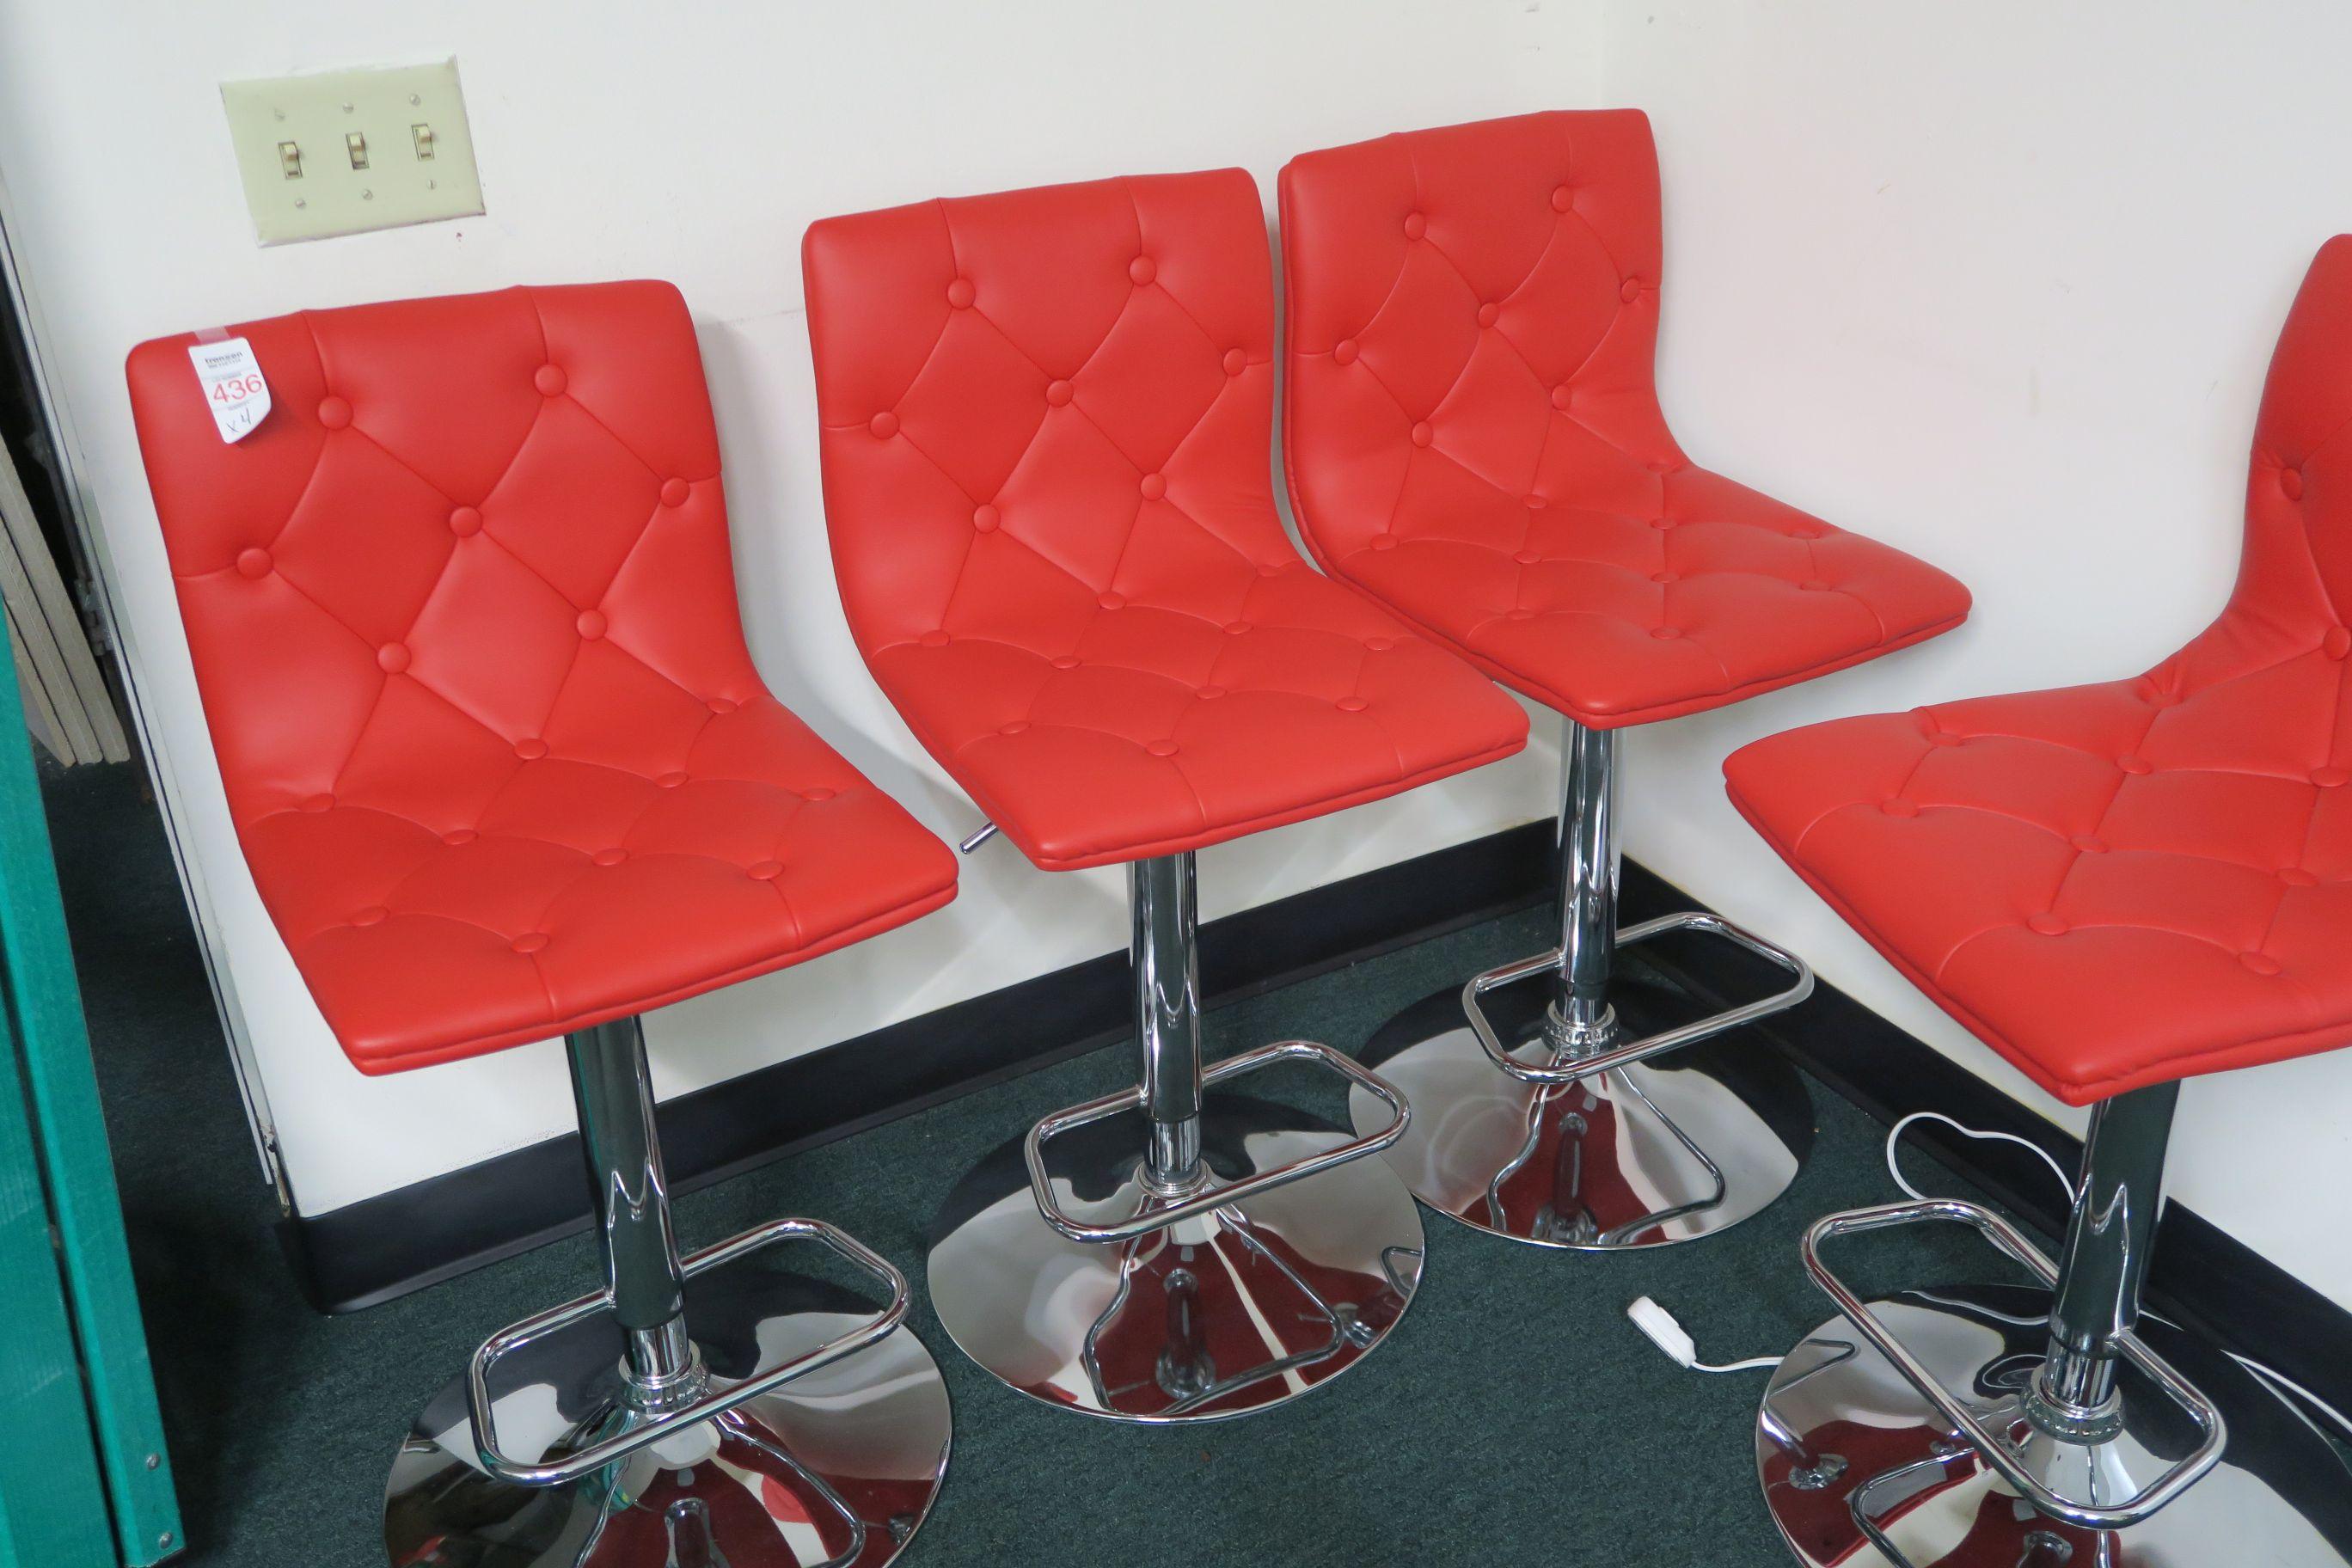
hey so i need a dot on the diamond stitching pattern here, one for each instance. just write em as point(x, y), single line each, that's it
point(1045, 424)
point(1473, 433)
point(2120, 884)
point(465, 626)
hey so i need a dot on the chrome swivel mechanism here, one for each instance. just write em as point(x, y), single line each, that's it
point(2046, 1425)
point(1546, 1107)
point(1177, 1252)
point(798, 1422)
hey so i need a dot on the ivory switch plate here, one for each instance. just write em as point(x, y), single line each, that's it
point(345, 151)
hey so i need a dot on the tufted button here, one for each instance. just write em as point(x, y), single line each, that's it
point(674, 491)
point(1533, 503)
point(1943, 738)
point(1664, 522)
point(985, 519)
point(1162, 748)
point(334, 413)
point(2336, 643)
point(372, 915)
point(1896, 806)
point(1562, 198)
point(528, 941)
point(1111, 601)
point(1066, 662)
point(2260, 963)
point(764, 871)
point(2290, 481)
point(959, 293)
point(883, 426)
point(670, 780)
point(392, 657)
point(530, 748)
point(465, 521)
point(2297, 877)
point(1153, 486)
point(1666, 576)
point(1057, 393)
point(1351, 705)
point(1018, 727)
point(1211, 693)
point(2047, 924)
point(1273, 569)
point(1487, 312)
point(1344, 352)
point(1421, 434)
point(1806, 533)
point(2161, 698)
point(1630, 290)
point(1659, 465)
point(1384, 542)
point(318, 803)
point(550, 380)
point(933, 638)
point(2132, 762)
point(1814, 586)
point(1378, 645)
point(2329, 778)
point(1235, 361)
point(253, 563)
point(1665, 634)
point(1238, 629)
point(609, 856)
point(1415, 225)
point(1526, 557)
point(590, 624)
point(1142, 269)
point(458, 836)
point(2089, 843)
point(819, 793)
point(722, 705)
point(1520, 614)
point(1562, 395)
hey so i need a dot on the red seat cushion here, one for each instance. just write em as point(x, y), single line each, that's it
point(1473, 434)
point(464, 621)
point(2119, 885)
point(1046, 418)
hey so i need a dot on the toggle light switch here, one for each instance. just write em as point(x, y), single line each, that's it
point(292, 197)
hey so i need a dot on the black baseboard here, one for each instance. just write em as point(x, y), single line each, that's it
point(385, 1246)
point(2201, 1277)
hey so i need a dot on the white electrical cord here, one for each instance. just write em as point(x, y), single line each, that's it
point(2066, 1184)
point(1675, 1340)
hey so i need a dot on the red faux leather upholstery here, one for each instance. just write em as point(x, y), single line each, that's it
point(1473, 436)
point(2121, 884)
point(464, 621)
point(1046, 418)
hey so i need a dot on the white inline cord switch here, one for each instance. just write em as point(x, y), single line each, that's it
point(1675, 1340)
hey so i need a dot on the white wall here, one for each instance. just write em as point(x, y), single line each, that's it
point(1997, 284)
point(692, 142)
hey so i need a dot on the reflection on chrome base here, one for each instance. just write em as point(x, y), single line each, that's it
point(1661, 1151)
point(1860, 1471)
point(832, 1470)
point(1235, 1310)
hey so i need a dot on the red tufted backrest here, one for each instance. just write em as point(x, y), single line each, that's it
point(2297, 567)
point(513, 498)
point(1038, 403)
point(1449, 293)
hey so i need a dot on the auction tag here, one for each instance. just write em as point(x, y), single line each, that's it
point(234, 389)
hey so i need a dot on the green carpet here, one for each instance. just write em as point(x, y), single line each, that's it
point(1515, 1418)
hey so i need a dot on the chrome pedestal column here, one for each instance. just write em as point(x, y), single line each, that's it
point(798, 1422)
point(1178, 1252)
point(2030, 1426)
point(1546, 1107)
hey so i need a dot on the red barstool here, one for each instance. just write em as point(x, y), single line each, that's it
point(1046, 418)
point(2115, 887)
point(1473, 438)
point(465, 627)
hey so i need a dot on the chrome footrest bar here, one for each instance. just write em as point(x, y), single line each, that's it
point(1648, 1046)
point(1175, 1211)
point(1991, 1445)
point(656, 1428)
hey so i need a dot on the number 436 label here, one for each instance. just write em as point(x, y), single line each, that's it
point(234, 389)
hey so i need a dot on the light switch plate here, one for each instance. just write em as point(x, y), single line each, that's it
point(346, 152)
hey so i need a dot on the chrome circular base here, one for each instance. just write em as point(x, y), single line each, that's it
point(1665, 1150)
point(1859, 1471)
point(1239, 1311)
point(832, 1470)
